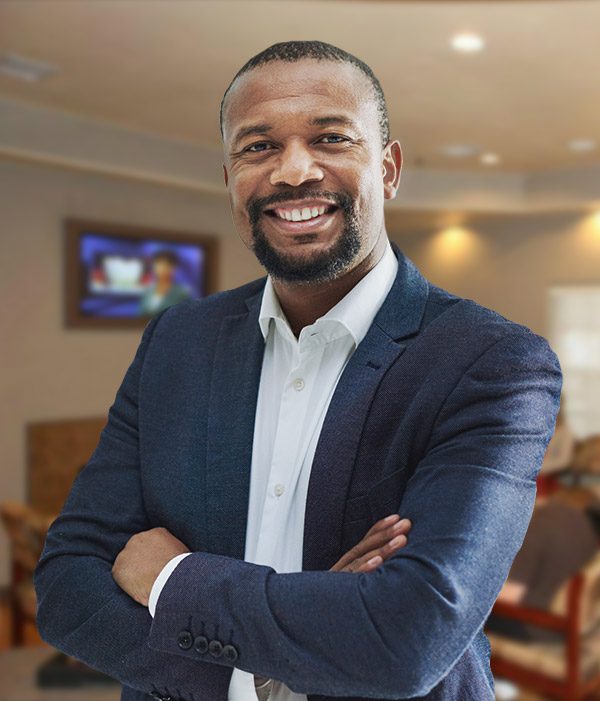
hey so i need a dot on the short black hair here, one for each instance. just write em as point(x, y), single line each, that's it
point(166, 254)
point(292, 51)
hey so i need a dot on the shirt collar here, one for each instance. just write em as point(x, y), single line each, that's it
point(355, 311)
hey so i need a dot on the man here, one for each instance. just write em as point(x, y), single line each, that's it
point(164, 291)
point(261, 432)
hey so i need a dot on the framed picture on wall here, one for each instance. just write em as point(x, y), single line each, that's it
point(120, 276)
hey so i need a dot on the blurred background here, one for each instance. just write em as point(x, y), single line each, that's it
point(113, 206)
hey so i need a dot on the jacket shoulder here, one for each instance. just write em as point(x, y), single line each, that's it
point(477, 325)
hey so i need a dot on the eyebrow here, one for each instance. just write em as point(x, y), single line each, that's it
point(248, 131)
point(315, 121)
point(333, 119)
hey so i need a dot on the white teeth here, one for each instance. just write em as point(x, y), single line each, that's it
point(300, 214)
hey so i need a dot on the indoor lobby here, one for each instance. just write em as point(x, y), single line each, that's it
point(117, 210)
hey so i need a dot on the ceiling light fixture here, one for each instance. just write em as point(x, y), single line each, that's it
point(582, 145)
point(460, 150)
point(490, 159)
point(25, 68)
point(467, 42)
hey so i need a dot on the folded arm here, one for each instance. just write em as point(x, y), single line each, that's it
point(395, 632)
point(81, 609)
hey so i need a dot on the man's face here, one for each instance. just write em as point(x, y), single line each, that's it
point(163, 269)
point(305, 168)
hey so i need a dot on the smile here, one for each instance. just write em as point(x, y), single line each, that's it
point(302, 219)
point(303, 214)
point(298, 221)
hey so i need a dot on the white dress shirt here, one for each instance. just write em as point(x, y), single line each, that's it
point(297, 380)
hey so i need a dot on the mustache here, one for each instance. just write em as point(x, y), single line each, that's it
point(257, 205)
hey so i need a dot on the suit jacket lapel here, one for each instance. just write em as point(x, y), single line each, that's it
point(399, 317)
point(232, 407)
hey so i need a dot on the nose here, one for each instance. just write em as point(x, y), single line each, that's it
point(295, 165)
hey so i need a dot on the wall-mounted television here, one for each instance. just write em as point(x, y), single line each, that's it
point(121, 276)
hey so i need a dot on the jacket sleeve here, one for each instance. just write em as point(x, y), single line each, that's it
point(397, 631)
point(80, 608)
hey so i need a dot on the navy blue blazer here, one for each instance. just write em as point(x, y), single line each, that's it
point(443, 414)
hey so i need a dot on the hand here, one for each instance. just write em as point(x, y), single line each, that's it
point(383, 539)
point(138, 565)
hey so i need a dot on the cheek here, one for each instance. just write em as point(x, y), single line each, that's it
point(239, 212)
point(241, 191)
point(370, 198)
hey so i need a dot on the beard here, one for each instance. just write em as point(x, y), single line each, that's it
point(322, 267)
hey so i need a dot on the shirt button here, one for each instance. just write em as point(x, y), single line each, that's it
point(279, 489)
point(298, 384)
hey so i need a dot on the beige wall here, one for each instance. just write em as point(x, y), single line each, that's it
point(509, 262)
point(49, 372)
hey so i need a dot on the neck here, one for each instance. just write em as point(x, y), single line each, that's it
point(303, 304)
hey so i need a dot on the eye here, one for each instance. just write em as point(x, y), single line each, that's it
point(252, 147)
point(335, 136)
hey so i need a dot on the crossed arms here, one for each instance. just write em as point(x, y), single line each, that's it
point(391, 633)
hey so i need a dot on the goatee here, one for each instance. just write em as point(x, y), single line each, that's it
point(323, 267)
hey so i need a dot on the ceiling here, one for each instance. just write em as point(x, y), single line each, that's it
point(162, 66)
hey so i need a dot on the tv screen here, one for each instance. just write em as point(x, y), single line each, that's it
point(124, 276)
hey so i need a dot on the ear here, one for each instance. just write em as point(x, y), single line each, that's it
point(391, 166)
point(225, 176)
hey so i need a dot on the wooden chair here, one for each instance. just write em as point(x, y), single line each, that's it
point(56, 452)
point(26, 530)
point(586, 460)
point(568, 670)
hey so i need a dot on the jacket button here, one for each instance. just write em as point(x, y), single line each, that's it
point(230, 653)
point(185, 640)
point(201, 643)
point(215, 648)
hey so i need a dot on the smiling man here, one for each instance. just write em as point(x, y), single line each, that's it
point(227, 538)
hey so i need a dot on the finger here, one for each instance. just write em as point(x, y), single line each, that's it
point(373, 541)
point(383, 523)
point(371, 564)
point(380, 538)
point(376, 557)
point(371, 560)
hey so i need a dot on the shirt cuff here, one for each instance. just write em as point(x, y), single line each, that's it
point(161, 580)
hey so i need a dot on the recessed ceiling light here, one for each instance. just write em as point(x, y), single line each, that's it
point(582, 145)
point(25, 68)
point(460, 150)
point(467, 42)
point(490, 159)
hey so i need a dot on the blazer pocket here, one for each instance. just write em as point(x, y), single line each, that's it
point(385, 496)
point(357, 509)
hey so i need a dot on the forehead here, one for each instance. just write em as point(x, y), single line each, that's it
point(280, 90)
